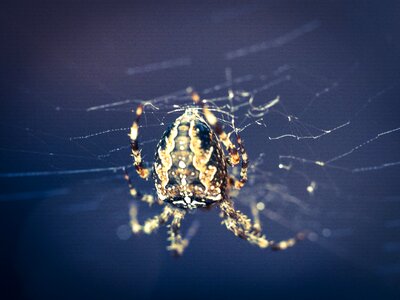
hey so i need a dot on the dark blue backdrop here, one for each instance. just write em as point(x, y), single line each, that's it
point(58, 233)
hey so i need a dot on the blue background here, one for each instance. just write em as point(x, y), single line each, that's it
point(58, 238)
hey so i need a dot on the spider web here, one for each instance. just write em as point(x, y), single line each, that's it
point(322, 153)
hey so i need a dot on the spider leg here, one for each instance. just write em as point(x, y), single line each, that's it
point(148, 198)
point(276, 246)
point(284, 244)
point(241, 226)
point(254, 210)
point(234, 154)
point(141, 169)
point(238, 183)
point(245, 164)
point(151, 224)
point(177, 242)
point(256, 217)
point(222, 135)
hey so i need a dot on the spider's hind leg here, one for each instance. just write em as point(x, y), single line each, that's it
point(235, 155)
point(143, 171)
point(212, 120)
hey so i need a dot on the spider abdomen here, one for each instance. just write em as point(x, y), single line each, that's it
point(190, 169)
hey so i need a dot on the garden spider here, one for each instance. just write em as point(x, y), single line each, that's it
point(190, 171)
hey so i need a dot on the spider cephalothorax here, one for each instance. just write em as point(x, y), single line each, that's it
point(190, 171)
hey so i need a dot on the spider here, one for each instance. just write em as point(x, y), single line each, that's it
point(190, 171)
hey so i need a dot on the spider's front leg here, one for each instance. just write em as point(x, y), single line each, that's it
point(151, 224)
point(256, 218)
point(148, 198)
point(241, 226)
point(178, 243)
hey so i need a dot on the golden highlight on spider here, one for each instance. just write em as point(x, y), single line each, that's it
point(190, 171)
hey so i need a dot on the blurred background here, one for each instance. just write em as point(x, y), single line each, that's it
point(71, 73)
